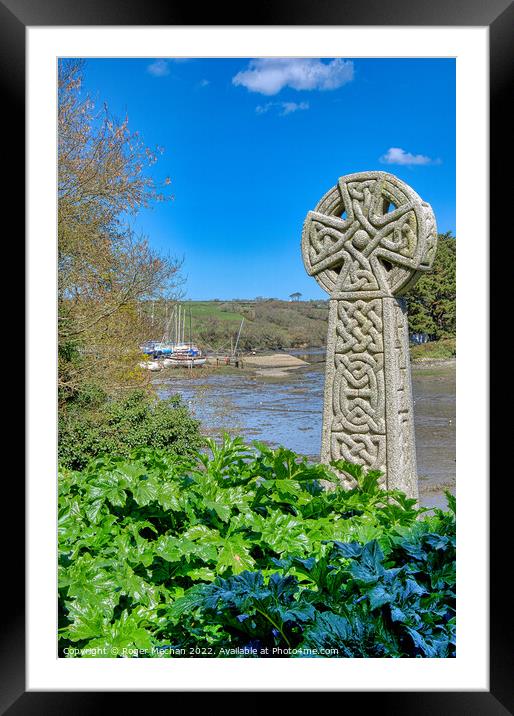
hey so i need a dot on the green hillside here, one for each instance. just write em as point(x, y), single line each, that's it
point(268, 324)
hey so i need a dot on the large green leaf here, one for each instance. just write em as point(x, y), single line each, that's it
point(234, 554)
point(175, 549)
point(220, 508)
point(87, 621)
point(144, 490)
point(283, 533)
point(168, 496)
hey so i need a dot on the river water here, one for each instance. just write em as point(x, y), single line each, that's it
point(285, 408)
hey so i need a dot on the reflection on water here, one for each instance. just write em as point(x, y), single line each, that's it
point(287, 410)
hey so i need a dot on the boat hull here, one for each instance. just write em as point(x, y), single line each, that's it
point(184, 362)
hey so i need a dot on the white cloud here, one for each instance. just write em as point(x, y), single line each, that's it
point(288, 107)
point(159, 68)
point(396, 155)
point(269, 75)
point(263, 108)
point(203, 83)
point(285, 107)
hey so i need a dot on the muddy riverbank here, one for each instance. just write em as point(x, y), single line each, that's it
point(282, 406)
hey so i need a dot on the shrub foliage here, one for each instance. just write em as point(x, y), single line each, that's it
point(243, 552)
point(94, 425)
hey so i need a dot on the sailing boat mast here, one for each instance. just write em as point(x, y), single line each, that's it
point(238, 334)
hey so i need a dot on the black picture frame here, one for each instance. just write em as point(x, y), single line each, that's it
point(498, 15)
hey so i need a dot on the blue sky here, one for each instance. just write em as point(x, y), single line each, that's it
point(251, 145)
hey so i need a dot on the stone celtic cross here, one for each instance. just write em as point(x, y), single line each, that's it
point(367, 241)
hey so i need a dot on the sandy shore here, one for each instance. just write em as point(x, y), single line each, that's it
point(277, 360)
point(275, 372)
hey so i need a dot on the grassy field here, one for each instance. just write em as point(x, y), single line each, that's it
point(204, 311)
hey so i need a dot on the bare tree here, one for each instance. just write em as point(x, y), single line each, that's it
point(105, 269)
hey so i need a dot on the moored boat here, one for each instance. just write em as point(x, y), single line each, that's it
point(185, 361)
point(171, 352)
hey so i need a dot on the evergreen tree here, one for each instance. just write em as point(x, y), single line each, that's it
point(431, 302)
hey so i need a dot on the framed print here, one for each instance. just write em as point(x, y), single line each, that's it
point(156, 41)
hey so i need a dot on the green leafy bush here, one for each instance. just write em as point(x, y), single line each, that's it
point(444, 348)
point(94, 426)
point(243, 552)
point(351, 603)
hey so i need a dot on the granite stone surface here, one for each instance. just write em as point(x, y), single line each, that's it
point(367, 241)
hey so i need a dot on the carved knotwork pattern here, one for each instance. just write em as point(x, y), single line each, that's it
point(359, 327)
point(370, 233)
point(358, 411)
point(368, 240)
point(368, 450)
